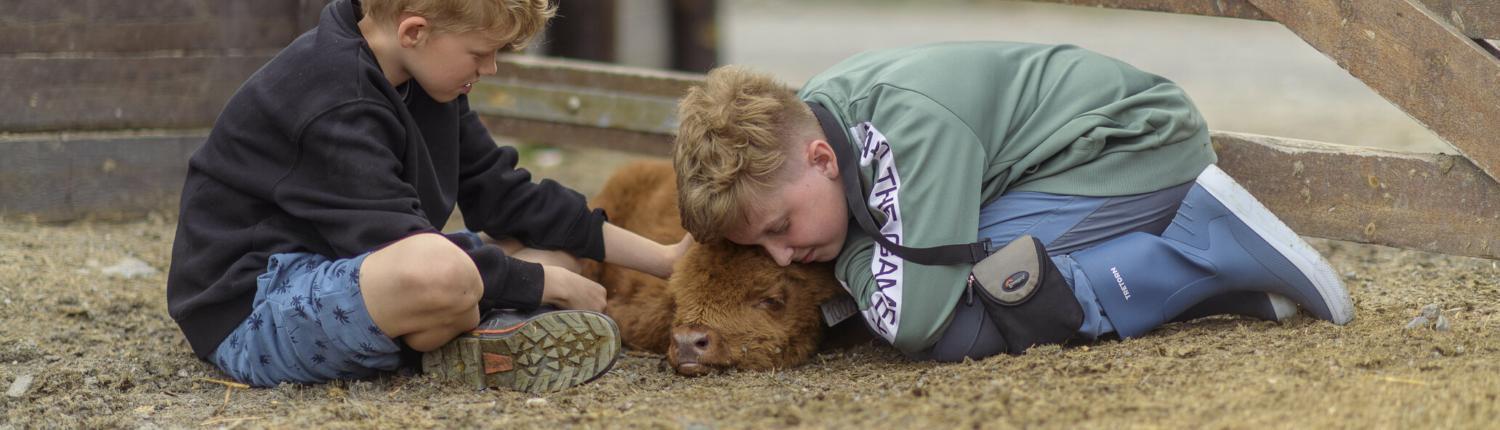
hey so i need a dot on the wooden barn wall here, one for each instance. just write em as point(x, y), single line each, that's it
point(101, 101)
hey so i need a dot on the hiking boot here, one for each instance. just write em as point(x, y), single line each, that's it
point(532, 352)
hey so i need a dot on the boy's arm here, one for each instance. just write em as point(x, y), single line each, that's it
point(927, 170)
point(502, 201)
point(626, 249)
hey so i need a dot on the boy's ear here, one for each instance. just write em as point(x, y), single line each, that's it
point(821, 157)
point(412, 29)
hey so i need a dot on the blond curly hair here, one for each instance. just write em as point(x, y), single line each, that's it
point(738, 129)
point(518, 21)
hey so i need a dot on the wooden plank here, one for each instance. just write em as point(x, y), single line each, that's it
point(564, 102)
point(522, 69)
point(576, 106)
point(1432, 202)
point(145, 36)
point(102, 92)
point(1440, 77)
point(1477, 19)
point(116, 10)
point(37, 26)
point(580, 136)
point(62, 177)
point(582, 104)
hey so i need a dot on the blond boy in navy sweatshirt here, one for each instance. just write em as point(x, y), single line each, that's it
point(308, 245)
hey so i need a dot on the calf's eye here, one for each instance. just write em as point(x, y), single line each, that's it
point(770, 303)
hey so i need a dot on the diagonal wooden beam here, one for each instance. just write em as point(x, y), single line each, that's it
point(1477, 19)
point(1401, 50)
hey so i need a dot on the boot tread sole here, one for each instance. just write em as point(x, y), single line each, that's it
point(551, 352)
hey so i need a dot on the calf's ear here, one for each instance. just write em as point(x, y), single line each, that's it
point(818, 282)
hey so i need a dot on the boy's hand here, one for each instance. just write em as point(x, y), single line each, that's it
point(568, 290)
point(632, 251)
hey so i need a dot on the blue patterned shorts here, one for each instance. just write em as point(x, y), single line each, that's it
point(308, 325)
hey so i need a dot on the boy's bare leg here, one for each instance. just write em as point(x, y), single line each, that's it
point(423, 289)
point(514, 248)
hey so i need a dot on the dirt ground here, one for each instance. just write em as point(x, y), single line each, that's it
point(101, 352)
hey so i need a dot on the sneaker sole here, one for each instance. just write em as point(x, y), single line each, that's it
point(1283, 307)
point(1282, 238)
point(551, 352)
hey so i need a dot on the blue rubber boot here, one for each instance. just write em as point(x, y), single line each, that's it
point(1222, 240)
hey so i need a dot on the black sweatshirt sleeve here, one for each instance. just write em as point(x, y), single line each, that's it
point(502, 201)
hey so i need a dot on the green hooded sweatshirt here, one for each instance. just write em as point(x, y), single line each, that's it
point(943, 129)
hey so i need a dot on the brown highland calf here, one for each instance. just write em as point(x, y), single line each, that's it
point(726, 306)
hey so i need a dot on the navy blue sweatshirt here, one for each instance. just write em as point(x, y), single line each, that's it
point(317, 152)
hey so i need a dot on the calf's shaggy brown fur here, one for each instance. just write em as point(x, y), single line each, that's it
point(726, 306)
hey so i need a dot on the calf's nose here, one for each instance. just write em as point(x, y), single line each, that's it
point(695, 348)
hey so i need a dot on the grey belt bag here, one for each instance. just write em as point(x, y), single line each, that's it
point(1025, 295)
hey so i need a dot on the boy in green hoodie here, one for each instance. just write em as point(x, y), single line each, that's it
point(1092, 180)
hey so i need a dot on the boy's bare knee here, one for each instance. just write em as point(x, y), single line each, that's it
point(430, 274)
point(447, 280)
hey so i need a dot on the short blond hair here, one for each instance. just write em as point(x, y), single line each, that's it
point(518, 21)
point(737, 130)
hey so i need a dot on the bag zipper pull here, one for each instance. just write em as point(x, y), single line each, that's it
point(969, 291)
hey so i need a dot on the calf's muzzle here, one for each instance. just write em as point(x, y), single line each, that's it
point(696, 350)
